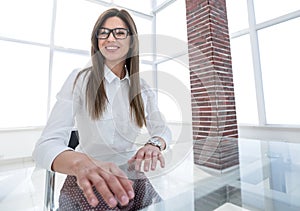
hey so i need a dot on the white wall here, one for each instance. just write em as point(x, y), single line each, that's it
point(270, 133)
point(18, 144)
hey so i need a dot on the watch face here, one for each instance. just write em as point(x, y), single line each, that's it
point(155, 142)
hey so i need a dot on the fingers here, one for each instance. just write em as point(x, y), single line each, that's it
point(161, 160)
point(138, 159)
point(154, 160)
point(110, 181)
point(88, 192)
point(150, 155)
point(119, 184)
point(147, 161)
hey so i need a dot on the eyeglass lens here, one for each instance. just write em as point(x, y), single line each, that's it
point(118, 33)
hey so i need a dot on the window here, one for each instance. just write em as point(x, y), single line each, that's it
point(269, 9)
point(42, 43)
point(28, 20)
point(74, 23)
point(172, 63)
point(267, 48)
point(23, 84)
point(63, 64)
point(237, 15)
point(144, 6)
point(279, 50)
point(174, 29)
point(244, 85)
point(174, 89)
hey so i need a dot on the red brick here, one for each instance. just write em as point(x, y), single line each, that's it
point(212, 88)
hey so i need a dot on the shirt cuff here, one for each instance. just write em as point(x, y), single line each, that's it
point(49, 157)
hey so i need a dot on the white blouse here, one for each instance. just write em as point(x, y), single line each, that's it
point(105, 139)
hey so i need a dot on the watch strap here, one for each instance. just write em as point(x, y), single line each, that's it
point(155, 142)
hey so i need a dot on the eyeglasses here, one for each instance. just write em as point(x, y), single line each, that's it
point(119, 33)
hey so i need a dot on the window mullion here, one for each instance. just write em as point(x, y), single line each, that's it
point(256, 64)
point(51, 52)
point(154, 64)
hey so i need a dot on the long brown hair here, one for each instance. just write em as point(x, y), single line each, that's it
point(96, 98)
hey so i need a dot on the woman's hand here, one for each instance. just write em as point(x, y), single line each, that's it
point(109, 180)
point(150, 155)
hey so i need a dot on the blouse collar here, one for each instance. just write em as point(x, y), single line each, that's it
point(110, 76)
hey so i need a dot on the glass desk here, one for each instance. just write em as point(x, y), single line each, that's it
point(267, 178)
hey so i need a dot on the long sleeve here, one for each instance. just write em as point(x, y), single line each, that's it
point(156, 124)
point(56, 134)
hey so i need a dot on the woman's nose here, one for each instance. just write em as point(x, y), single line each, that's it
point(111, 37)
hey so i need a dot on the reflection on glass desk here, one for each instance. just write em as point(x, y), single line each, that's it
point(267, 178)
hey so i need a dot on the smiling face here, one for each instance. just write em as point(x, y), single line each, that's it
point(114, 50)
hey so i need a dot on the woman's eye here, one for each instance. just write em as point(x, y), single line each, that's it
point(120, 32)
point(104, 32)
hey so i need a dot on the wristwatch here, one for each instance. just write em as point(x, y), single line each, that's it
point(154, 141)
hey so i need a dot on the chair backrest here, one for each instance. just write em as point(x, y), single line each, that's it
point(74, 139)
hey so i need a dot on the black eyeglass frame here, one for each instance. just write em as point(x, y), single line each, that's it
point(113, 31)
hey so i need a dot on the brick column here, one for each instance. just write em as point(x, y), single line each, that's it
point(213, 104)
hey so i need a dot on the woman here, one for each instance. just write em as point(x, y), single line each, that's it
point(110, 104)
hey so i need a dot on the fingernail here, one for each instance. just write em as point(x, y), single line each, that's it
point(112, 202)
point(124, 200)
point(131, 194)
point(93, 202)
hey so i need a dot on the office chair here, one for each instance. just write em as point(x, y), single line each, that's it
point(50, 177)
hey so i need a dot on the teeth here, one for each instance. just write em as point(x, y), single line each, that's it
point(111, 47)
